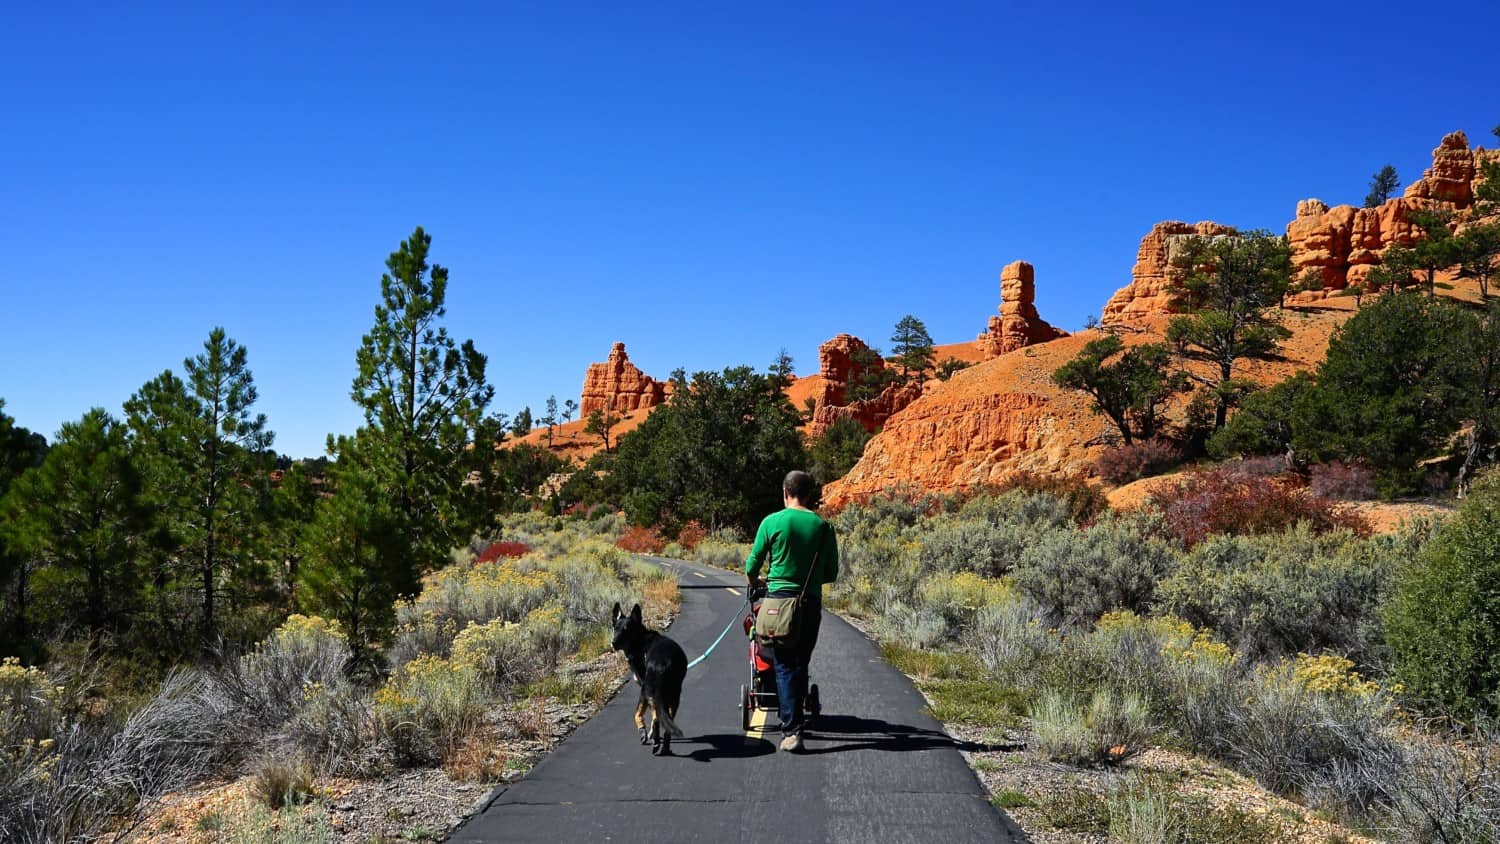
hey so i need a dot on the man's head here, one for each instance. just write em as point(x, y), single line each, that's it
point(800, 487)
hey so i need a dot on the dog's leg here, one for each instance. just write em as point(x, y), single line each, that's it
point(661, 737)
point(640, 717)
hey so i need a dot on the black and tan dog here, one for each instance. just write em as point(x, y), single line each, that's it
point(659, 666)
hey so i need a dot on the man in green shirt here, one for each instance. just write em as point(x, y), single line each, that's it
point(803, 554)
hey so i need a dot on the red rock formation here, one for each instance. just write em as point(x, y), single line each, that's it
point(1342, 244)
point(1451, 177)
point(838, 366)
point(871, 413)
point(1018, 324)
point(1149, 291)
point(620, 386)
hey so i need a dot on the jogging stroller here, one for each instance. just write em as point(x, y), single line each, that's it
point(760, 693)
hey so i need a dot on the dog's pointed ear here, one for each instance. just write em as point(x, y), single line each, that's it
point(635, 614)
point(614, 614)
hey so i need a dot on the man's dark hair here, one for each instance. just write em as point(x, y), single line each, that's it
point(801, 486)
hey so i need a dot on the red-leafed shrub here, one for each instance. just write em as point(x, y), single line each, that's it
point(1226, 500)
point(1341, 480)
point(496, 550)
point(1259, 467)
point(691, 534)
point(1126, 463)
point(639, 540)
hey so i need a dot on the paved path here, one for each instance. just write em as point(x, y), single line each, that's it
point(876, 768)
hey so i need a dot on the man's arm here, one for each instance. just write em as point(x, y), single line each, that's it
point(831, 555)
point(757, 551)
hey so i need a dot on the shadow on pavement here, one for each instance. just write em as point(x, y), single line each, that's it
point(726, 746)
point(850, 732)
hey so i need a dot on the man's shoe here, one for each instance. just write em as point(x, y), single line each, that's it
point(792, 742)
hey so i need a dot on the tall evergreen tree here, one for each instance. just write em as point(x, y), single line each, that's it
point(1382, 186)
point(423, 396)
point(550, 419)
point(80, 515)
point(523, 423)
point(20, 450)
point(199, 446)
point(354, 569)
point(868, 377)
point(1227, 285)
point(570, 408)
point(911, 346)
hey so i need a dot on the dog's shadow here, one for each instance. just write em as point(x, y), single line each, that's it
point(725, 746)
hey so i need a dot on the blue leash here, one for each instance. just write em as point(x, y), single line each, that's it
point(737, 619)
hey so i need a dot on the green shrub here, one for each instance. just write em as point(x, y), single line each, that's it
point(1287, 593)
point(1443, 621)
point(1078, 575)
point(1110, 728)
point(724, 555)
point(991, 550)
point(1012, 640)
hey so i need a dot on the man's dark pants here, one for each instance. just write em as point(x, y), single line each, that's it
point(791, 662)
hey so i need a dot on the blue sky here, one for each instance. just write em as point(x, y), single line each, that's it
point(708, 185)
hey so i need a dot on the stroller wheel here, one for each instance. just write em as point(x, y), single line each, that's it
point(747, 707)
point(814, 703)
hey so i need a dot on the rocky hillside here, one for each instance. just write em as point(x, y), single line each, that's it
point(1005, 415)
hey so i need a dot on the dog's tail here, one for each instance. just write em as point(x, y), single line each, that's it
point(666, 721)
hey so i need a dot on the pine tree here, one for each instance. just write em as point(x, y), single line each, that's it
point(20, 451)
point(198, 445)
point(911, 346)
point(1129, 392)
point(80, 516)
point(600, 423)
point(781, 369)
point(570, 408)
point(550, 420)
point(1382, 185)
point(523, 423)
point(423, 396)
point(354, 571)
point(1226, 287)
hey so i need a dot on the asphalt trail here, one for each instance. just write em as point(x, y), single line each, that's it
point(876, 768)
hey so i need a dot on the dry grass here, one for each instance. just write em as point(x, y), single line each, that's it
point(278, 781)
point(475, 756)
point(531, 720)
point(660, 598)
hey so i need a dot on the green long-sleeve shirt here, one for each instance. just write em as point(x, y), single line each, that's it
point(790, 537)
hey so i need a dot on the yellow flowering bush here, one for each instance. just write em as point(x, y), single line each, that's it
point(30, 715)
point(1331, 674)
point(427, 705)
point(965, 590)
